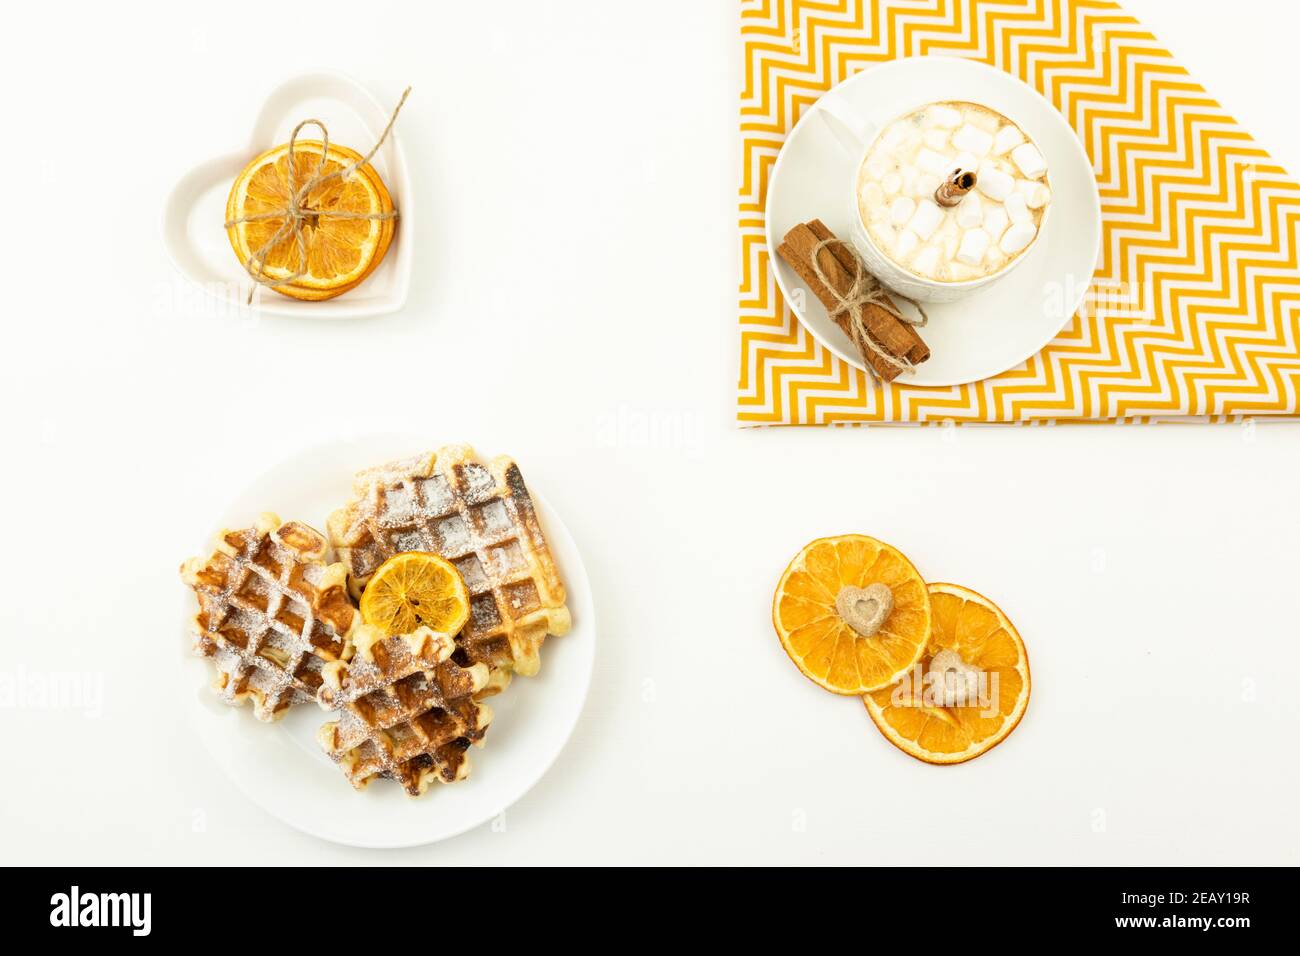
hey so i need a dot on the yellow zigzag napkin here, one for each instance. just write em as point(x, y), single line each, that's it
point(1194, 313)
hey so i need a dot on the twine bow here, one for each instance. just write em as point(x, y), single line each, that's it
point(866, 290)
point(296, 213)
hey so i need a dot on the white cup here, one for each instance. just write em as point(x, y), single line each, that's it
point(856, 133)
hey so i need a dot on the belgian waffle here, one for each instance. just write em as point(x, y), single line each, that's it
point(480, 517)
point(407, 711)
point(271, 613)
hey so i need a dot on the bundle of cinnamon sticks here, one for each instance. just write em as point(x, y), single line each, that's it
point(840, 267)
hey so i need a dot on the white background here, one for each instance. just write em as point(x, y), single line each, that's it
point(576, 168)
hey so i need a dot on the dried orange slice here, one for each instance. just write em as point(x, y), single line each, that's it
point(852, 613)
point(416, 589)
point(970, 688)
point(340, 252)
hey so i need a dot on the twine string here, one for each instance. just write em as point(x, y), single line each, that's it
point(866, 290)
point(295, 213)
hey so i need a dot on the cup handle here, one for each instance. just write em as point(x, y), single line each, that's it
point(850, 127)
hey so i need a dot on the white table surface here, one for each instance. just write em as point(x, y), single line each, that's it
point(1152, 571)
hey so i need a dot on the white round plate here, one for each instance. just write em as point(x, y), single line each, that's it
point(281, 767)
point(1000, 326)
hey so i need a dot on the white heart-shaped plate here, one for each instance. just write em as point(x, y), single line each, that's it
point(193, 216)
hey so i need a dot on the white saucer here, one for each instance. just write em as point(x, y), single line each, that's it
point(280, 766)
point(193, 216)
point(998, 327)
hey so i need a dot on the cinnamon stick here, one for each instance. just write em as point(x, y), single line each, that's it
point(917, 351)
point(838, 265)
point(954, 188)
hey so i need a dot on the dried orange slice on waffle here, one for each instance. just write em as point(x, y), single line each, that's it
point(970, 688)
point(852, 613)
point(416, 589)
point(341, 252)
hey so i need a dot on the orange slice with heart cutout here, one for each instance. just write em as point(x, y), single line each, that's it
point(852, 612)
point(968, 691)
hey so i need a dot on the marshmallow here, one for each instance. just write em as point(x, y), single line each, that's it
point(936, 139)
point(932, 162)
point(1017, 237)
point(950, 244)
point(1029, 159)
point(927, 184)
point(966, 161)
point(1008, 137)
point(944, 116)
point(949, 228)
point(982, 119)
point(907, 241)
point(995, 221)
point(878, 165)
point(974, 243)
point(1016, 209)
point(891, 184)
point(1036, 194)
point(901, 209)
point(993, 182)
point(972, 139)
point(872, 198)
point(926, 261)
point(970, 211)
point(893, 136)
point(926, 219)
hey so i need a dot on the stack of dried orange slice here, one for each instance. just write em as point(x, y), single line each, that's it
point(942, 671)
point(341, 246)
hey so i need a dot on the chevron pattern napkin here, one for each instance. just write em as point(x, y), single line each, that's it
point(1194, 312)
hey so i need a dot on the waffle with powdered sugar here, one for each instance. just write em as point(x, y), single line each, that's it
point(408, 712)
point(478, 515)
point(271, 613)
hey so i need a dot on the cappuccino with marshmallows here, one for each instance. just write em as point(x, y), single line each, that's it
point(953, 191)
